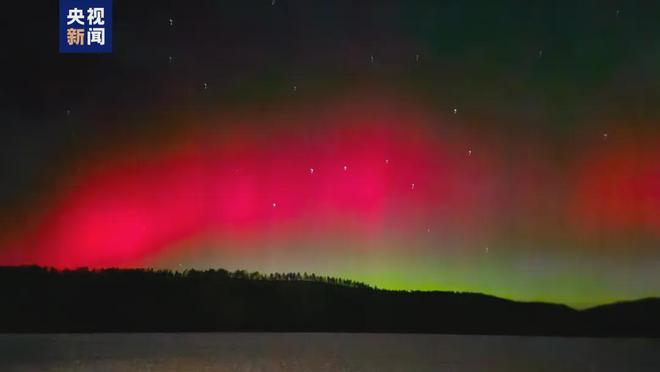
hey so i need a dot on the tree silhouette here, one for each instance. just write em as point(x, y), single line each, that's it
point(37, 299)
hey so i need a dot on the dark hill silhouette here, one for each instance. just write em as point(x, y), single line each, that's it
point(36, 299)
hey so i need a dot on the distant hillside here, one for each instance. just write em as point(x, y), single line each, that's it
point(36, 299)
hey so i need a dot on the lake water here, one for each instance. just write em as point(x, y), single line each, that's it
point(321, 352)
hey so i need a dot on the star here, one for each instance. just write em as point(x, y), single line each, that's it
point(274, 205)
point(455, 111)
point(205, 86)
point(486, 249)
point(295, 88)
point(540, 53)
point(169, 59)
point(428, 229)
point(469, 152)
point(311, 170)
point(371, 59)
point(171, 22)
point(605, 136)
point(387, 161)
point(412, 186)
point(345, 168)
point(416, 58)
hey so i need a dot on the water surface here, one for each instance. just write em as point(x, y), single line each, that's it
point(321, 352)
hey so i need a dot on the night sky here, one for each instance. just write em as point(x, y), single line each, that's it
point(508, 148)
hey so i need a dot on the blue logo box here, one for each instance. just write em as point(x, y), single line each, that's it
point(85, 26)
